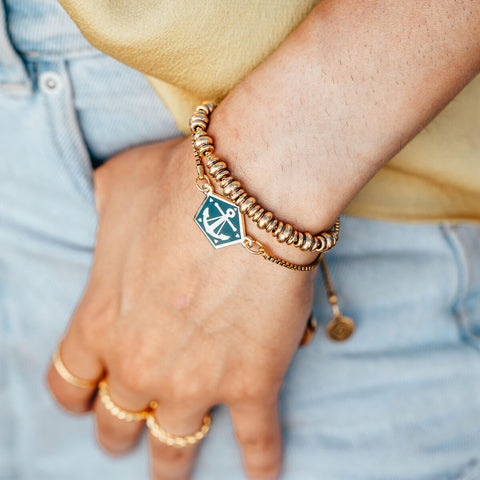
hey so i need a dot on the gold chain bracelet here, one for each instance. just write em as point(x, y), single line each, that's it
point(232, 189)
point(226, 225)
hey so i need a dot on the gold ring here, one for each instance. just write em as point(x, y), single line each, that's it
point(176, 441)
point(67, 376)
point(119, 412)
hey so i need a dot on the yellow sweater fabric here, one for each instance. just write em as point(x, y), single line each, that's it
point(191, 51)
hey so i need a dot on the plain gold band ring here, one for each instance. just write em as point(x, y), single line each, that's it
point(67, 376)
point(174, 440)
point(119, 412)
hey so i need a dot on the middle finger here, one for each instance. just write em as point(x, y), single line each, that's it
point(120, 417)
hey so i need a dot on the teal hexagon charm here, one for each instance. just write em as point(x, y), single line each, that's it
point(221, 221)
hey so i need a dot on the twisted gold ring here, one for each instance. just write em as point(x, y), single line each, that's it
point(67, 376)
point(119, 412)
point(174, 440)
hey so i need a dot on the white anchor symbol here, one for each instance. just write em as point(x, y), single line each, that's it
point(217, 223)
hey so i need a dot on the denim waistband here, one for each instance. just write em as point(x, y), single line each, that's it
point(13, 75)
point(35, 30)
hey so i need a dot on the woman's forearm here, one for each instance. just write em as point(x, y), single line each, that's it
point(352, 85)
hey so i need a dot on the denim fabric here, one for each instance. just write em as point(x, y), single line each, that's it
point(399, 401)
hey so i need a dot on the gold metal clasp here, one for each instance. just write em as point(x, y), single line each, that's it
point(253, 246)
point(203, 184)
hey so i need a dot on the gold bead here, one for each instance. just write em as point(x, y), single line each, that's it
point(247, 204)
point(286, 232)
point(226, 181)
point(239, 191)
point(253, 210)
point(241, 198)
point(300, 240)
point(307, 243)
point(278, 230)
point(203, 143)
point(216, 167)
point(207, 107)
point(258, 215)
point(321, 243)
point(211, 161)
point(198, 120)
point(262, 223)
point(231, 187)
point(210, 105)
point(314, 246)
point(271, 225)
point(219, 176)
point(293, 238)
point(200, 139)
point(328, 241)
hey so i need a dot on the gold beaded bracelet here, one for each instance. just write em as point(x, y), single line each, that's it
point(232, 189)
point(222, 221)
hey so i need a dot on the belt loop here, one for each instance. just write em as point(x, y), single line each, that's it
point(14, 79)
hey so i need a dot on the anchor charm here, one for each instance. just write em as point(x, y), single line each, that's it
point(220, 220)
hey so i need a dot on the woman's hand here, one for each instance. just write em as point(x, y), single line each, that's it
point(170, 319)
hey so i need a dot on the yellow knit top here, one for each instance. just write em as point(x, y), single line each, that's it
point(191, 51)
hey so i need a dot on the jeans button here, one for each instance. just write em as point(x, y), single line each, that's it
point(50, 83)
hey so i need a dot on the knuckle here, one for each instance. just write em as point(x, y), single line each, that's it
point(269, 469)
point(111, 447)
point(171, 463)
point(247, 393)
point(92, 316)
point(131, 378)
point(170, 456)
point(260, 444)
point(185, 389)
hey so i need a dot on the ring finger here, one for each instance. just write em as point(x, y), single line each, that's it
point(120, 417)
point(170, 462)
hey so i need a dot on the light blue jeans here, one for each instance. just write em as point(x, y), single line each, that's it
point(399, 401)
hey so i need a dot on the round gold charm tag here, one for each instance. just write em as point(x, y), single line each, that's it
point(340, 328)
